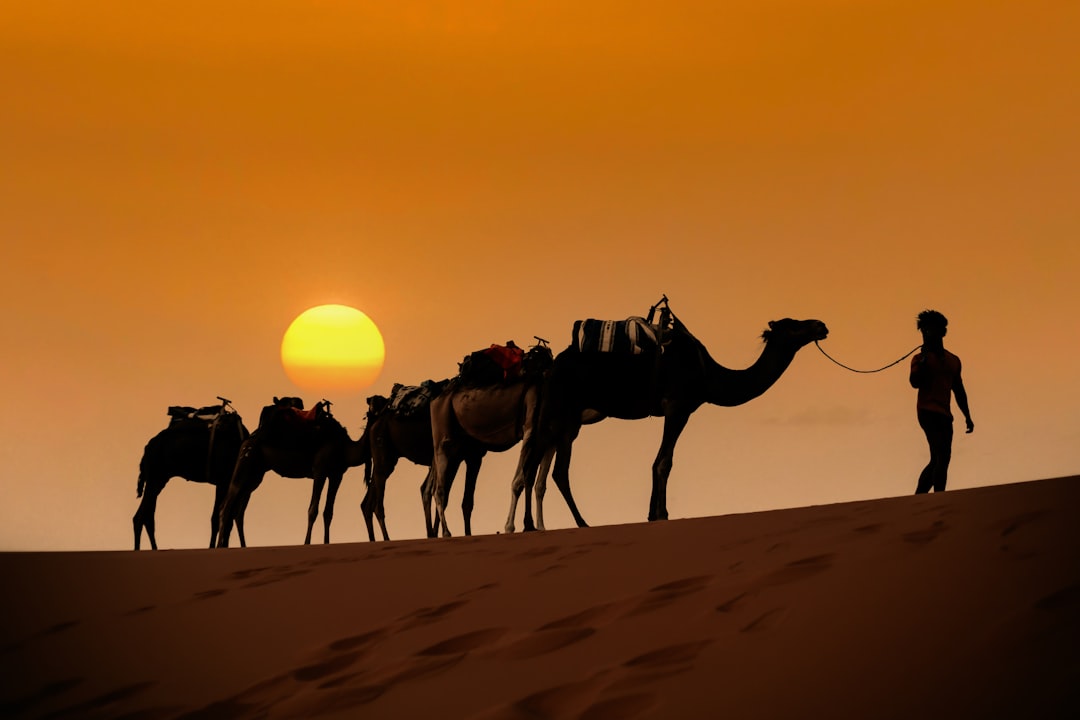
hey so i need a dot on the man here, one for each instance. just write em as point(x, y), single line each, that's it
point(935, 372)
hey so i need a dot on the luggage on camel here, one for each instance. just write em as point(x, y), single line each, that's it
point(206, 414)
point(286, 419)
point(407, 401)
point(505, 363)
point(491, 365)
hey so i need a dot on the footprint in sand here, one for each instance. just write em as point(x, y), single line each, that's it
point(922, 537)
point(428, 615)
point(207, 594)
point(666, 657)
point(624, 707)
point(585, 618)
point(1067, 598)
point(1013, 524)
point(543, 642)
point(320, 670)
point(799, 569)
point(464, 643)
point(766, 621)
point(664, 595)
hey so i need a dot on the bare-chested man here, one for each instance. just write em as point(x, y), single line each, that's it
point(935, 372)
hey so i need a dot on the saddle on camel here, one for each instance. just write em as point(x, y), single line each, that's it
point(632, 336)
point(285, 421)
point(504, 364)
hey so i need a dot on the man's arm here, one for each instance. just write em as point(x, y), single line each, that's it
point(915, 377)
point(962, 400)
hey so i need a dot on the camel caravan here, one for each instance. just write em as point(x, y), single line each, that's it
point(502, 397)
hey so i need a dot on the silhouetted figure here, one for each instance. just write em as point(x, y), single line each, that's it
point(935, 372)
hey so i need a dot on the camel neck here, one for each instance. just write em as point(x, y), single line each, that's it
point(728, 387)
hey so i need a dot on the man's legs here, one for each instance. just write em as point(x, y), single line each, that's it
point(939, 431)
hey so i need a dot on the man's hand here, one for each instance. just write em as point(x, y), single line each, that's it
point(970, 426)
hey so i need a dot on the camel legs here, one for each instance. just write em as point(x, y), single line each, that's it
point(313, 506)
point(445, 468)
point(561, 474)
point(239, 520)
point(220, 491)
point(144, 515)
point(472, 469)
point(673, 427)
point(328, 509)
point(372, 504)
point(247, 476)
point(427, 494)
point(540, 488)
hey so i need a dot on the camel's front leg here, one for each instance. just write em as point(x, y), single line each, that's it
point(328, 509)
point(427, 491)
point(674, 424)
point(472, 469)
point(540, 488)
point(443, 468)
point(144, 516)
point(515, 493)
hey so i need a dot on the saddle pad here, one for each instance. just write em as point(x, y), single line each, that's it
point(408, 400)
point(631, 336)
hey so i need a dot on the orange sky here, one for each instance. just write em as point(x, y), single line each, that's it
point(179, 181)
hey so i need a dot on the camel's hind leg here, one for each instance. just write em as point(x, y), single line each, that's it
point(313, 507)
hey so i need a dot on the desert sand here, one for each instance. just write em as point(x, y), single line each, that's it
point(959, 604)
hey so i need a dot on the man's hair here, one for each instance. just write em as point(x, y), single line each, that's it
point(933, 321)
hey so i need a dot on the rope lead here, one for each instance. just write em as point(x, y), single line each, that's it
point(865, 371)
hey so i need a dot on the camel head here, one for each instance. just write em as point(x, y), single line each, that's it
point(795, 334)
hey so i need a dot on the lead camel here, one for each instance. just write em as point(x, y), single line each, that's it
point(671, 384)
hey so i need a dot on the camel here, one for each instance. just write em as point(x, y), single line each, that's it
point(391, 436)
point(467, 420)
point(671, 382)
point(294, 444)
point(198, 446)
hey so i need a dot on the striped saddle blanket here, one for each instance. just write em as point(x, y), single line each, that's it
point(633, 336)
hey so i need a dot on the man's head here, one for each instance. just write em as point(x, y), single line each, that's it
point(932, 324)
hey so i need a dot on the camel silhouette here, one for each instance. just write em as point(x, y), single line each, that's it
point(468, 419)
point(671, 382)
point(199, 446)
point(391, 436)
point(294, 444)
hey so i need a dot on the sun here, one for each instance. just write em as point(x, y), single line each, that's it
point(333, 348)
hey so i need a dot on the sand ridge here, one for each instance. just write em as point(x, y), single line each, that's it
point(963, 603)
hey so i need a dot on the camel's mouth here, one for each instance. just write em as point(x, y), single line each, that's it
point(821, 332)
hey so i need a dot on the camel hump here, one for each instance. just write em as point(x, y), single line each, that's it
point(633, 336)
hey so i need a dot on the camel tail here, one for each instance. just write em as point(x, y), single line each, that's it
point(140, 486)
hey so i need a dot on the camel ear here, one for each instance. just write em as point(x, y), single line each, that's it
point(772, 324)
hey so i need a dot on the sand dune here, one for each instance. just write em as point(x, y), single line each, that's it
point(962, 604)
